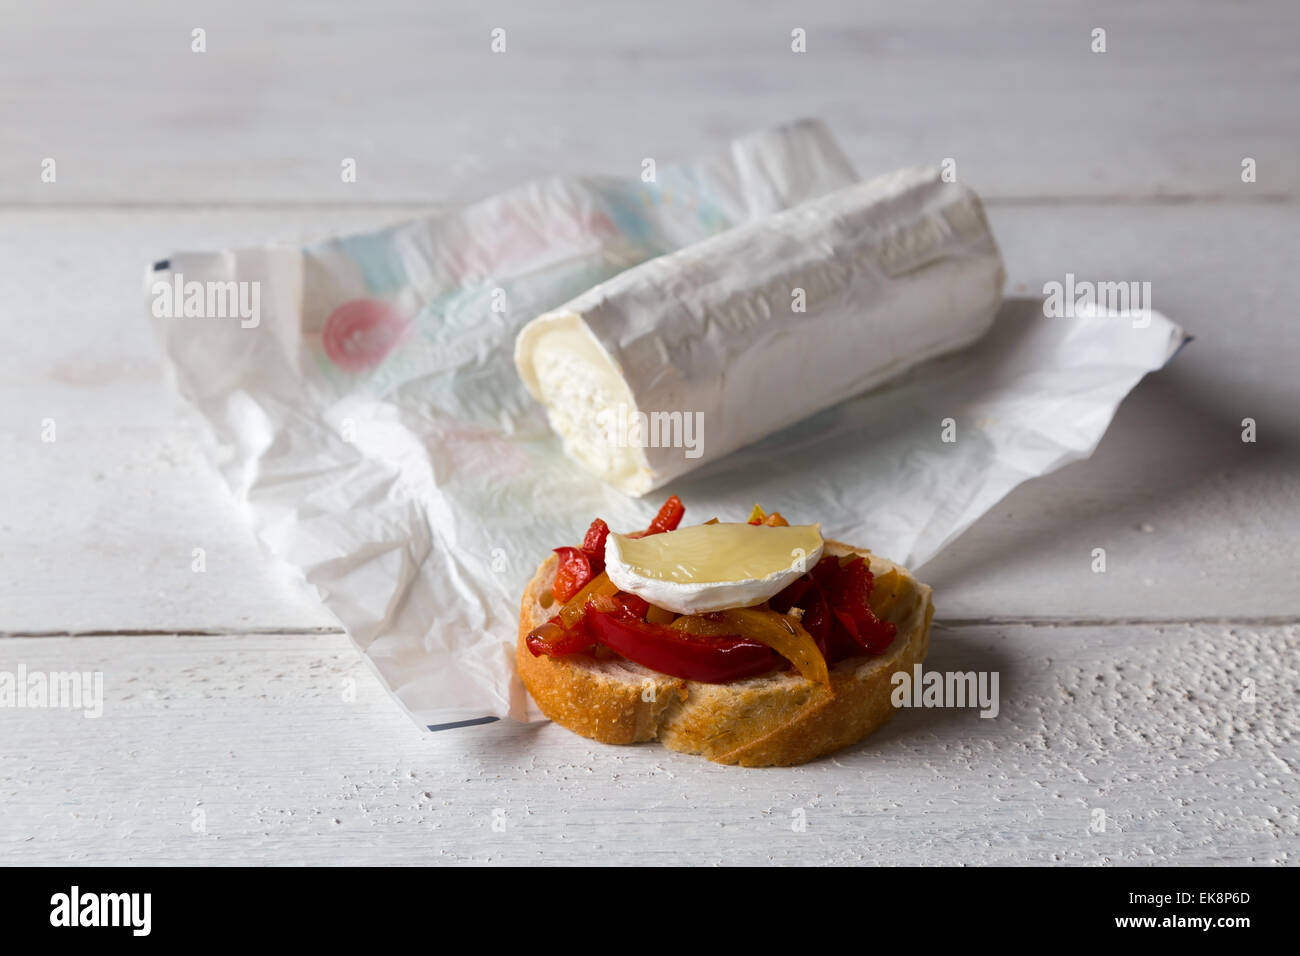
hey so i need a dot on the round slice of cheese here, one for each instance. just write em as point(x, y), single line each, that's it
point(712, 567)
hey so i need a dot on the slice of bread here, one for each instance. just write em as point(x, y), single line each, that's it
point(777, 719)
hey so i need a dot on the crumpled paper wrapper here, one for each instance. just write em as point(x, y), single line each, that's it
point(372, 421)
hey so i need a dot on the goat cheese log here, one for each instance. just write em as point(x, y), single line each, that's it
point(687, 357)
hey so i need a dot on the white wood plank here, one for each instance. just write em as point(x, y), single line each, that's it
point(1146, 724)
point(97, 530)
point(1186, 511)
point(1011, 90)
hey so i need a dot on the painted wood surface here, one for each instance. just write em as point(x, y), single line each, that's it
point(1113, 745)
point(1125, 733)
point(1012, 90)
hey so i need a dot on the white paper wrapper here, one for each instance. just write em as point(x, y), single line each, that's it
point(372, 420)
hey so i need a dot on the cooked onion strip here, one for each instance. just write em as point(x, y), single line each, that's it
point(780, 632)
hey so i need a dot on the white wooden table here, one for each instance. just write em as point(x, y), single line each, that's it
point(230, 692)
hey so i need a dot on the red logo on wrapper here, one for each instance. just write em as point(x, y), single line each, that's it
point(360, 334)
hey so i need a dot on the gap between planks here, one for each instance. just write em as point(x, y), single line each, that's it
point(1279, 620)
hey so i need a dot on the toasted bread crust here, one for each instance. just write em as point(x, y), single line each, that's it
point(779, 719)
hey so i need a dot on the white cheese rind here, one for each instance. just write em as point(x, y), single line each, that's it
point(702, 597)
point(893, 272)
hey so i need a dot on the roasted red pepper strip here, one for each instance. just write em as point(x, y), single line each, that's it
point(668, 518)
point(852, 588)
point(817, 622)
point(572, 575)
point(624, 606)
point(593, 545)
point(837, 612)
point(580, 565)
point(850, 597)
point(793, 595)
point(555, 640)
point(633, 606)
point(712, 660)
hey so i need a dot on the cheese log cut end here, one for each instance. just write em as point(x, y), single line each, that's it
point(586, 397)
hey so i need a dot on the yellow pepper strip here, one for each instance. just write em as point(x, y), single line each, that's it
point(783, 634)
point(659, 615)
point(885, 592)
point(572, 612)
point(756, 516)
